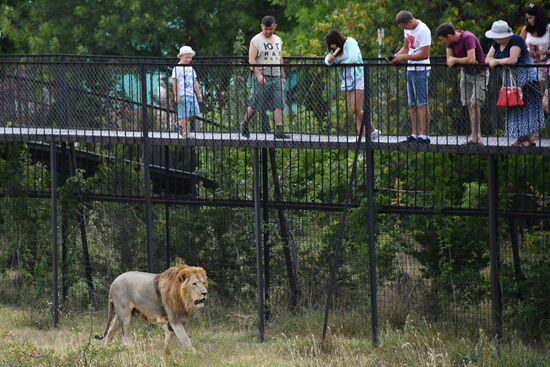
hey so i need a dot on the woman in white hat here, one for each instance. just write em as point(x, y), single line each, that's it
point(525, 121)
point(186, 89)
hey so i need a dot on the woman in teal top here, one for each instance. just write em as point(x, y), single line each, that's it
point(345, 50)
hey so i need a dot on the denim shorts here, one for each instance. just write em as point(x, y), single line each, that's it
point(188, 107)
point(417, 87)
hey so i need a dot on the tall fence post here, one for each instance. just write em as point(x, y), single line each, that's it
point(260, 298)
point(265, 231)
point(371, 219)
point(55, 250)
point(146, 169)
point(167, 208)
point(494, 251)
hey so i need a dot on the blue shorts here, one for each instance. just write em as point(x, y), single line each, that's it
point(188, 107)
point(417, 87)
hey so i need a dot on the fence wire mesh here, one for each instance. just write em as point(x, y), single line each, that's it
point(434, 267)
point(104, 114)
point(115, 97)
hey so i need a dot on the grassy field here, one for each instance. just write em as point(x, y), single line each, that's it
point(228, 338)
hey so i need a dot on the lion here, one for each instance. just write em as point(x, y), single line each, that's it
point(166, 299)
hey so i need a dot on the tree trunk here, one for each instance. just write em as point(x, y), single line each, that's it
point(81, 218)
point(291, 266)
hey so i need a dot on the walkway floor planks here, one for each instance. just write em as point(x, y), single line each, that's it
point(267, 140)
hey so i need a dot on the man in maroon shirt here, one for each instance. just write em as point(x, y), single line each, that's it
point(463, 48)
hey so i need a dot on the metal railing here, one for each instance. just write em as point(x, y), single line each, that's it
point(102, 104)
point(107, 96)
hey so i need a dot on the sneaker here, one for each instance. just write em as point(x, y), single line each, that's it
point(244, 129)
point(279, 134)
point(374, 134)
point(421, 140)
point(410, 139)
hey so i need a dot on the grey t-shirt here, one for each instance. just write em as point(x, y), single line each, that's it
point(269, 52)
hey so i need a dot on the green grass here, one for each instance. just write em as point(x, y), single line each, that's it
point(228, 338)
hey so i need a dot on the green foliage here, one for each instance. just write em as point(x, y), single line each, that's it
point(240, 45)
point(128, 27)
point(25, 224)
point(362, 20)
point(529, 294)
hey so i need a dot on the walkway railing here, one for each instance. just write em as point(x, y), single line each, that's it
point(112, 102)
point(107, 96)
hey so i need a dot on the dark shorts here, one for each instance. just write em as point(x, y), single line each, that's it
point(268, 96)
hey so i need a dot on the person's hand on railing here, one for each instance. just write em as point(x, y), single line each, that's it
point(398, 59)
point(494, 62)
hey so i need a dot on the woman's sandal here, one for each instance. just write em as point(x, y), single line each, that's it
point(524, 142)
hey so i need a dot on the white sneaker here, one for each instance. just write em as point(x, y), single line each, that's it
point(374, 134)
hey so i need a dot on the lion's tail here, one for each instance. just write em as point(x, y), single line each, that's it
point(110, 316)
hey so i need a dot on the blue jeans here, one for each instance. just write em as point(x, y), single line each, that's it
point(417, 87)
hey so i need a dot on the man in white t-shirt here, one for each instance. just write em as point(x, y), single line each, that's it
point(266, 49)
point(416, 50)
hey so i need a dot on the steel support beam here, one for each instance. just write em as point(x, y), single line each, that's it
point(260, 295)
point(55, 250)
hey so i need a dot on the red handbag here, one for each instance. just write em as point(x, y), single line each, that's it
point(510, 96)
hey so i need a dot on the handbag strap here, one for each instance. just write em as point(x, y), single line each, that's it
point(512, 79)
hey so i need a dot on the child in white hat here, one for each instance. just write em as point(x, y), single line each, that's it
point(187, 92)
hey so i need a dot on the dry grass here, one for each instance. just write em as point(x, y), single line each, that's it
point(229, 339)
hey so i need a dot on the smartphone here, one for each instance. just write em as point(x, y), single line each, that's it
point(389, 58)
point(336, 51)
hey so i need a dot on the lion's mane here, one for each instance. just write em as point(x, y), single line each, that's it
point(173, 288)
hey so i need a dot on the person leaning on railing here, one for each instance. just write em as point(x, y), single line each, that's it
point(463, 48)
point(345, 50)
point(522, 122)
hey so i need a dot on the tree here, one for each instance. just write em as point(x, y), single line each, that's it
point(362, 20)
point(128, 27)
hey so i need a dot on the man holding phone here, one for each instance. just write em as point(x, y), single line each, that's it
point(416, 50)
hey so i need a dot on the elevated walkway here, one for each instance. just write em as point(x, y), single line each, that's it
point(454, 144)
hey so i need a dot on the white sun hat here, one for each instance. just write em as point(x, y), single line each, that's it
point(186, 50)
point(500, 29)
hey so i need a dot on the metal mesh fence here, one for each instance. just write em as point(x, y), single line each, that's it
point(436, 268)
point(404, 181)
point(113, 121)
point(115, 97)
